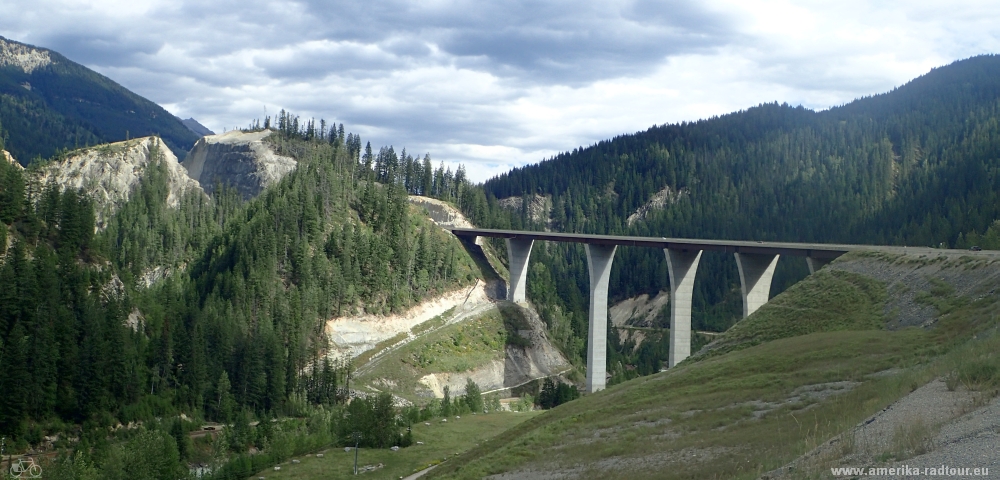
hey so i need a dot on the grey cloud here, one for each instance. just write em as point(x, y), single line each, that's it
point(595, 43)
point(532, 43)
point(568, 42)
point(351, 60)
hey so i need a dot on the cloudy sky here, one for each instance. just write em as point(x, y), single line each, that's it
point(496, 84)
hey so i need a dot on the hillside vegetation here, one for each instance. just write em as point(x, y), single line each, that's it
point(774, 388)
point(228, 333)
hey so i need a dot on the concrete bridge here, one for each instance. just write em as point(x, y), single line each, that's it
point(755, 261)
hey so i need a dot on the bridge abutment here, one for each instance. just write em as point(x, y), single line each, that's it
point(756, 271)
point(599, 259)
point(518, 251)
point(682, 266)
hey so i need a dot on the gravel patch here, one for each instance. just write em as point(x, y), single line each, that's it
point(922, 412)
point(615, 467)
point(972, 441)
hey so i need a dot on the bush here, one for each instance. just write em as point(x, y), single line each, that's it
point(375, 418)
point(526, 404)
point(977, 374)
point(150, 454)
point(491, 402)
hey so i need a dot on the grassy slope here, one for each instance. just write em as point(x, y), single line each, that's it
point(452, 349)
point(830, 300)
point(734, 415)
point(441, 441)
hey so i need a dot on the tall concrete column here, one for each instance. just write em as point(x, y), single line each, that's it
point(518, 251)
point(682, 265)
point(756, 271)
point(599, 258)
point(816, 263)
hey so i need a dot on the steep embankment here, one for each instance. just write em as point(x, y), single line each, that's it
point(468, 333)
point(809, 365)
point(239, 160)
point(633, 317)
point(109, 173)
point(521, 352)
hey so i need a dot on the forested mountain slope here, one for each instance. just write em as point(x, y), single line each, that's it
point(236, 325)
point(50, 103)
point(919, 165)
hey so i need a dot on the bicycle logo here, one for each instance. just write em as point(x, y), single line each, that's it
point(26, 468)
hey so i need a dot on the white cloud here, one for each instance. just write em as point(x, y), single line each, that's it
point(501, 84)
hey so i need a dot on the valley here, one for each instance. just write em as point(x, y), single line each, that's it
point(234, 306)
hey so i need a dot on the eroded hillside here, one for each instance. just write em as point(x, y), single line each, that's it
point(109, 173)
point(239, 160)
point(469, 333)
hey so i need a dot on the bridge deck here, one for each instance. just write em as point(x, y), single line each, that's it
point(814, 250)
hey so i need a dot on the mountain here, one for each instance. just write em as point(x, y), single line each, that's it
point(197, 127)
point(49, 103)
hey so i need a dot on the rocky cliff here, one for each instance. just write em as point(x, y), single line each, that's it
point(109, 173)
point(239, 160)
point(22, 56)
point(10, 159)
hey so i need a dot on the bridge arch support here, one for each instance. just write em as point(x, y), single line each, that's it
point(518, 252)
point(599, 259)
point(756, 271)
point(682, 265)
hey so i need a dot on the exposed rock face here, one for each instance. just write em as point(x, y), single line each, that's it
point(657, 202)
point(22, 56)
point(10, 159)
point(641, 311)
point(520, 365)
point(441, 213)
point(109, 173)
point(239, 160)
point(539, 207)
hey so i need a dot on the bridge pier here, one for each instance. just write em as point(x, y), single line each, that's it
point(682, 266)
point(518, 251)
point(756, 271)
point(599, 259)
point(816, 263)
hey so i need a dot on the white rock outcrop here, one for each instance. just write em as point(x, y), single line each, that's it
point(10, 159)
point(109, 173)
point(659, 200)
point(22, 56)
point(240, 160)
point(441, 213)
point(539, 207)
